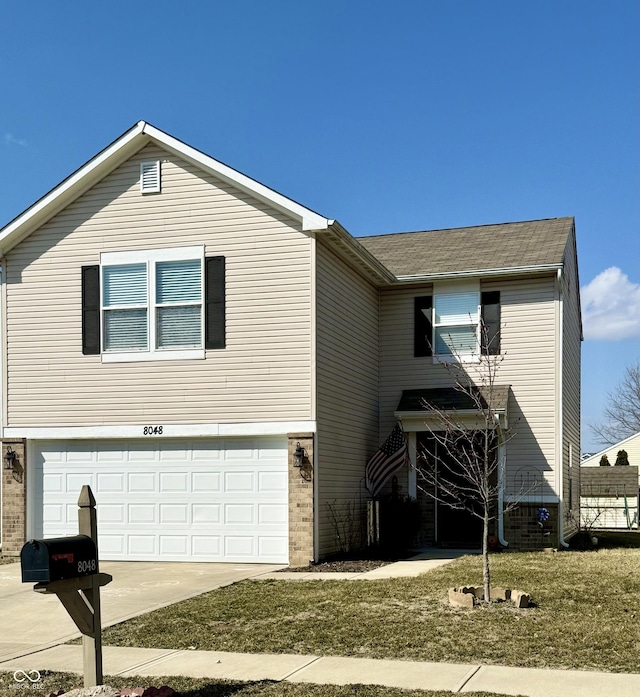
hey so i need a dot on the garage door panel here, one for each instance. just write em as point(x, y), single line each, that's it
point(54, 513)
point(107, 513)
point(239, 547)
point(272, 547)
point(76, 480)
point(207, 513)
point(141, 545)
point(111, 546)
point(239, 482)
point(177, 482)
point(219, 499)
point(111, 482)
point(272, 481)
point(206, 482)
point(206, 546)
point(142, 513)
point(174, 545)
point(54, 482)
point(272, 514)
point(142, 482)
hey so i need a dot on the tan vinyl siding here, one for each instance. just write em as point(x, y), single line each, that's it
point(528, 345)
point(264, 374)
point(347, 389)
point(571, 344)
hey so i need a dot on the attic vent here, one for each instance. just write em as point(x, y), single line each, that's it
point(150, 177)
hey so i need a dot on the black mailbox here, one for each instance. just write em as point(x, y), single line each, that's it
point(58, 558)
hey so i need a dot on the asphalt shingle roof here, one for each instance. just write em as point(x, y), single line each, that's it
point(484, 247)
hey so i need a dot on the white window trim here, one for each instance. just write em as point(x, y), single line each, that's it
point(150, 257)
point(150, 189)
point(456, 289)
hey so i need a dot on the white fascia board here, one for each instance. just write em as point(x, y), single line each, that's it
point(72, 187)
point(309, 219)
point(349, 245)
point(267, 428)
point(513, 270)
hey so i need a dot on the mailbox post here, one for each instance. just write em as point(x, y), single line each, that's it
point(91, 642)
point(68, 567)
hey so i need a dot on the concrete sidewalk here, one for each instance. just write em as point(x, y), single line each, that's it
point(218, 665)
point(420, 563)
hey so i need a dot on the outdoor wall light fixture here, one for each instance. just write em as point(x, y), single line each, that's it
point(9, 458)
point(298, 455)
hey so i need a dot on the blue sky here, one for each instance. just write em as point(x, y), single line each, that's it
point(387, 116)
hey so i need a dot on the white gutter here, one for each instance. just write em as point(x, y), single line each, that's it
point(560, 445)
point(350, 244)
point(422, 278)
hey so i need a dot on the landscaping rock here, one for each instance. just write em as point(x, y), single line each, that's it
point(462, 597)
point(500, 594)
point(520, 598)
point(469, 596)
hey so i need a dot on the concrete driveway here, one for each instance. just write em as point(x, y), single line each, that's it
point(32, 621)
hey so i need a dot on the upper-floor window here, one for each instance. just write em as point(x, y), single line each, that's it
point(458, 325)
point(455, 324)
point(153, 304)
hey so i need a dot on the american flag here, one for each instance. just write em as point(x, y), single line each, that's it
point(389, 458)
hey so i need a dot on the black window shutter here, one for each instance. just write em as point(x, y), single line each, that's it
point(91, 310)
point(422, 327)
point(214, 302)
point(490, 302)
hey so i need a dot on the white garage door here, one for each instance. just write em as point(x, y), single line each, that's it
point(222, 499)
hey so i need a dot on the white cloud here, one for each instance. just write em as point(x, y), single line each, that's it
point(611, 306)
point(10, 139)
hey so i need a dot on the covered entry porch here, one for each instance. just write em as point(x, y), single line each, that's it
point(446, 431)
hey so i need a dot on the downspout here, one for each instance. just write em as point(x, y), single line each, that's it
point(501, 484)
point(560, 449)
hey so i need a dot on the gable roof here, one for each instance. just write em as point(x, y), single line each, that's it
point(127, 145)
point(529, 245)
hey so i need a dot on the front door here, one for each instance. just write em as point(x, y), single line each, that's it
point(455, 527)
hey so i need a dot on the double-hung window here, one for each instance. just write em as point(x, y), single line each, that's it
point(152, 304)
point(455, 324)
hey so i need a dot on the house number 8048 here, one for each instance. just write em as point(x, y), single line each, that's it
point(152, 431)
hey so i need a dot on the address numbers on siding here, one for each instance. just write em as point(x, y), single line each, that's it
point(152, 431)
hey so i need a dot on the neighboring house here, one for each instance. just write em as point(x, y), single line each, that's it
point(630, 444)
point(609, 496)
point(218, 362)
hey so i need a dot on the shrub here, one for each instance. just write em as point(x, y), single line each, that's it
point(622, 458)
point(604, 461)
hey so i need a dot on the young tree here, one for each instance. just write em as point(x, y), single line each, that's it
point(622, 412)
point(467, 474)
point(604, 461)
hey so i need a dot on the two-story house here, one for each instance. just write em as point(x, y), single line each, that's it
point(218, 362)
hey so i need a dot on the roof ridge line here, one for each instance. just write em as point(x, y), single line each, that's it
point(465, 227)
